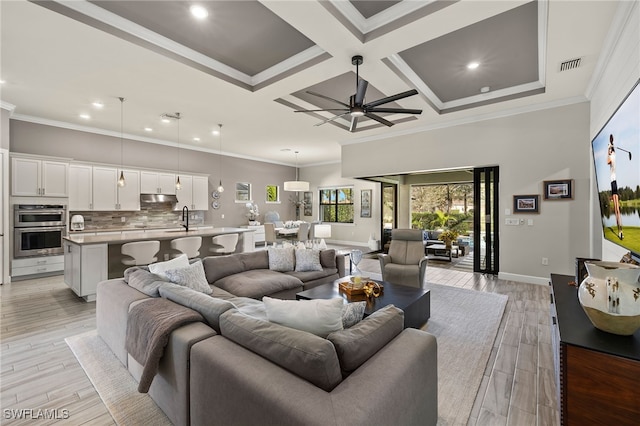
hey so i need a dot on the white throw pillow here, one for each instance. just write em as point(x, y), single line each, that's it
point(192, 276)
point(281, 259)
point(320, 317)
point(159, 268)
point(308, 260)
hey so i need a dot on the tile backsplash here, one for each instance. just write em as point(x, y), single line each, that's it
point(152, 215)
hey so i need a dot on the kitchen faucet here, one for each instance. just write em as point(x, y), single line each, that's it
point(185, 209)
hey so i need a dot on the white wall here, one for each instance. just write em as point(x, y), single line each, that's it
point(529, 148)
point(621, 70)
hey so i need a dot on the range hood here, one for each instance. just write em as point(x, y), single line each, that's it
point(158, 198)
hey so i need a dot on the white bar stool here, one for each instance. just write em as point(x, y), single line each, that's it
point(224, 244)
point(140, 252)
point(187, 245)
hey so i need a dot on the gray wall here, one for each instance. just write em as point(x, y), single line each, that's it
point(4, 128)
point(32, 138)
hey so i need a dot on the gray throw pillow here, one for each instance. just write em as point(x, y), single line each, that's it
point(192, 276)
point(318, 316)
point(352, 313)
point(303, 354)
point(144, 281)
point(281, 259)
point(308, 260)
point(209, 307)
point(357, 344)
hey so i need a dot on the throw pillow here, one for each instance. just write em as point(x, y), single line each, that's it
point(209, 307)
point(308, 260)
point(159, 268)
point(308, 356)
point(192, 276)
point(357, 344)
point(352, 313)
point(281, 259)
point(143, 280)
point(319, 317)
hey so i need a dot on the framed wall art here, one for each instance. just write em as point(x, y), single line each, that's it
point(308, 203)
point(272, 194)
point(365, 202)
point(558, 189)
point(243, 192)
point(526, 203)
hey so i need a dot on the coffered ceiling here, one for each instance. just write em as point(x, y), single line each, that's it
point(250, 64)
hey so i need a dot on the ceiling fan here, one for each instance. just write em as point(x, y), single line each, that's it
point(357, 108)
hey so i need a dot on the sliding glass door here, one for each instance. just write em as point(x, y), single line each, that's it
point(389, 209)
point(485, 221)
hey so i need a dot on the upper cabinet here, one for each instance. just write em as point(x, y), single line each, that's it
point(32, 177)
point(157, 183)
point(80, 187)
point(107, 195)
point(194, 193)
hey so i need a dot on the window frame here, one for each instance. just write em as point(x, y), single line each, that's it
point(336, 204)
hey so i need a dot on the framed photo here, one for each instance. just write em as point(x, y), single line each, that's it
point(558, 189)
point(365, 202)
point(526, 203)
point(272, 194)
point(243, 192)
point(308, 201)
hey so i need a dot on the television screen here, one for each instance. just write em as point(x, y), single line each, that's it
point(616, 154)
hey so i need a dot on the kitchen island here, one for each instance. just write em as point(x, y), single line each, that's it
point(89, 259)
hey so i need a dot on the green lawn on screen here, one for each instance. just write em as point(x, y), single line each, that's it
point(631, 237)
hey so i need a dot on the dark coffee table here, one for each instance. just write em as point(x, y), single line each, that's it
point(415, 302)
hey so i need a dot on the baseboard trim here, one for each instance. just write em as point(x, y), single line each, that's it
point(523, 278)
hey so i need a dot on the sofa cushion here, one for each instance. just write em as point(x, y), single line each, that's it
point(250, 307)
point(144, 281)
point(258, 282)
point(159, 268)
point(209, 307)
point(328, 259)
point(307, 260)
point(309, 276)
point(281, 259)
point(258, 259)
point(319, 317)
point(352, 313)
point(217, 267)
point(303, 354)
point(191, 276)
point(357, 344)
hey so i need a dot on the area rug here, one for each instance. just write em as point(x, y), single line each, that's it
point(465, 322)
point(114, 384)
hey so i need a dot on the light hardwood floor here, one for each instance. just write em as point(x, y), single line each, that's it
point(38, 371)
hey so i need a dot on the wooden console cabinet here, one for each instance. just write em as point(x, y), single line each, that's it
point(598, 373)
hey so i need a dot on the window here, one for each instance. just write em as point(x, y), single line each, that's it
point(273, 194)
point(336, 205)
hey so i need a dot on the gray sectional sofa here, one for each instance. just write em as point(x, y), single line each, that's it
point(234, 367)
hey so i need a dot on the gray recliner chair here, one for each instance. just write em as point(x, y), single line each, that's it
point(406, 262)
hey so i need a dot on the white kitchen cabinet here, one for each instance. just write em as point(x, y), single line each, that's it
point(194, 193)
point(157, 183)
point(84, 267)
point(34, 177)
point(36, 265)
point(108, 196)
point(80, 187)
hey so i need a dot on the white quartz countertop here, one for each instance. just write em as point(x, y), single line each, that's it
point(142, 235)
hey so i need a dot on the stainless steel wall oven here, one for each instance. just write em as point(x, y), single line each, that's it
point(38, 229)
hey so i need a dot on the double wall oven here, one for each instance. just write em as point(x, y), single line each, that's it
point(38, 229)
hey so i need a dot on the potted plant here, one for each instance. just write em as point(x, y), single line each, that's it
point(253, 213)
point(448, 236)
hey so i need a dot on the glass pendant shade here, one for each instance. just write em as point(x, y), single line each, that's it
point(121, 181)
point(178, 184)
point(220, 187)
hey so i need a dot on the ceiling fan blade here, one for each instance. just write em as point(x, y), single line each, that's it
point(362, 89)
point(395, 110)
point(354, 123)
point(327, 98)
point(379, 119)
point(392, 98)
point(319, 110)
point(331, 119)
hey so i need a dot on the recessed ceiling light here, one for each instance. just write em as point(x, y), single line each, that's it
point(473, 65)
point(166, 120)
point(215, 132)
point(196, 139)
point(148, 129)
point(97, 104)
point(2, 81)
point(199, 12)
point(485, 89)
point(85, 116)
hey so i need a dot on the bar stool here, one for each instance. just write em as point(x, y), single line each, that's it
point(224, 244)
point(187, 245)
point(141, 252)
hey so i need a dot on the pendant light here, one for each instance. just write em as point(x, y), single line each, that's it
point(121, 181)
point(178, 184)
point(296, 185)
point(220, 187)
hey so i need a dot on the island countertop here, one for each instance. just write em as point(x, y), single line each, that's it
point(143, 235)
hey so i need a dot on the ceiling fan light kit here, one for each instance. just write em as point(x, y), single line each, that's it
point(358, 108)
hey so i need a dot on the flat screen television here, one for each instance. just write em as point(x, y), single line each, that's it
point(616, 155)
